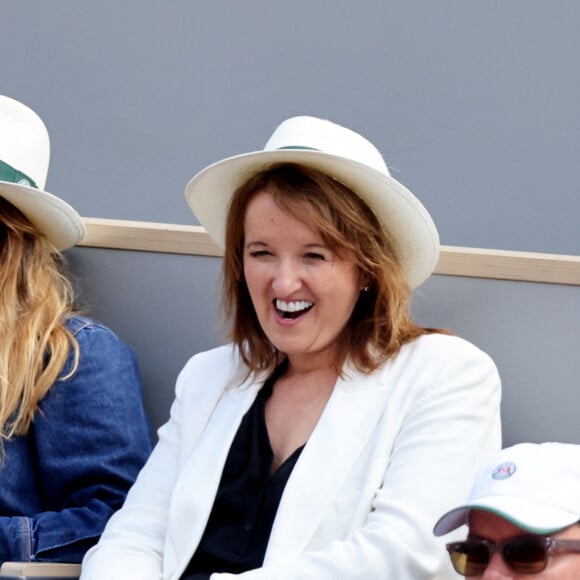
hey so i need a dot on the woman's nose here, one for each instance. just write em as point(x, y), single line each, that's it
point(286, 280)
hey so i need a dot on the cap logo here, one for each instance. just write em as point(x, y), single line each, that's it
point(504, 470)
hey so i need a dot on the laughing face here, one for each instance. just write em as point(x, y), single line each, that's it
point(303, 292)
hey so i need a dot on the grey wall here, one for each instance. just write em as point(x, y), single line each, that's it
point(473, 104)
point(166, 307)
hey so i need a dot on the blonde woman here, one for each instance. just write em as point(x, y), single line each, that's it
point(73, 431)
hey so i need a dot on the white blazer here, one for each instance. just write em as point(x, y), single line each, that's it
point(390, 454)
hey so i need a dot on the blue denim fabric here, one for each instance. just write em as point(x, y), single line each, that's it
point(61, 482)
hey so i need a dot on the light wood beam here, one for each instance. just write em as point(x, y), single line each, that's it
point(454, 260)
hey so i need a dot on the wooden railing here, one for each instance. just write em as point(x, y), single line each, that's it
point(454, 261)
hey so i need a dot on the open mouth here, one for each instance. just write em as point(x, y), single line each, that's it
point(293, 309)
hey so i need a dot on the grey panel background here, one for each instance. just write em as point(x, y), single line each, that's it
point(473, 104)
point(167, 307)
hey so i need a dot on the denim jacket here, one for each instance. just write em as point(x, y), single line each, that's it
point(60, 483)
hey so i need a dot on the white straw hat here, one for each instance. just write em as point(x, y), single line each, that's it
point(534, 486)
point(341, 154)
point(24, 159)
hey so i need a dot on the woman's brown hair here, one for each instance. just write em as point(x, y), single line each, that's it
point(380, 323)
point(35, 299)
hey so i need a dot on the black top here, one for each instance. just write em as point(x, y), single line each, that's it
point(239, 526)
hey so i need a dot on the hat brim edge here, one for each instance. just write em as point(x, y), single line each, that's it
point(54, 217)
point(403, 216)
point(520, 512)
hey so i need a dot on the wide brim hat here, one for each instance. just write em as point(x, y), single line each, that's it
point(24, 161)
point(341, 154)
point(536, 487)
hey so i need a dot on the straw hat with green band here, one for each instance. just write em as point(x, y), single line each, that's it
point(24, 160)
point(341, 154)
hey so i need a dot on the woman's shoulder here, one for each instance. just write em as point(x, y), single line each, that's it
point(75, 323)
point(437, 350)
point(79, 325)
point(96, 340)
point(439, 343)
point(221, 358)
point(222, 367)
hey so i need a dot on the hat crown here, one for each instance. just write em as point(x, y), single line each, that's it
point(535, 486)
point(25, 156)
point(547, 473)
point(24, 140)
point(306, 132)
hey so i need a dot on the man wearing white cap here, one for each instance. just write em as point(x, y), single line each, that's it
point(523, 516)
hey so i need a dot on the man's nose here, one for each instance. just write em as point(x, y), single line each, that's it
point(498, 570)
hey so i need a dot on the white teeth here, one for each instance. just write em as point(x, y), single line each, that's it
point(295, 306)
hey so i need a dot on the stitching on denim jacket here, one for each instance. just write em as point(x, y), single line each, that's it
point(77, 323)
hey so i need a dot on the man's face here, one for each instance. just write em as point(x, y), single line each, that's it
point(487, 526)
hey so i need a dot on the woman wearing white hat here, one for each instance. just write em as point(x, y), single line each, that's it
point(73, 431)
point(326, 439)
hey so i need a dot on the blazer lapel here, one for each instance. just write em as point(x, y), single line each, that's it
point(344, 428)
point(193, 496)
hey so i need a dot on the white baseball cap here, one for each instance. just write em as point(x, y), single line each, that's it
point(535, 486)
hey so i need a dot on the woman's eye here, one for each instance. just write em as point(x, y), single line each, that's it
point(315, 256)
point(259, 253)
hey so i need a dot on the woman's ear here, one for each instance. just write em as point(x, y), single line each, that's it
point(364, 281)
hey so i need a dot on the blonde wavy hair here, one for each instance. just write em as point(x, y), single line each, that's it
point(35, 299)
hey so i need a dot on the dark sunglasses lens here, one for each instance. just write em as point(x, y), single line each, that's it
point(526, 555)
point(469, 558)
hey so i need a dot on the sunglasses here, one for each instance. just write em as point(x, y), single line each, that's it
point(524, 554)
